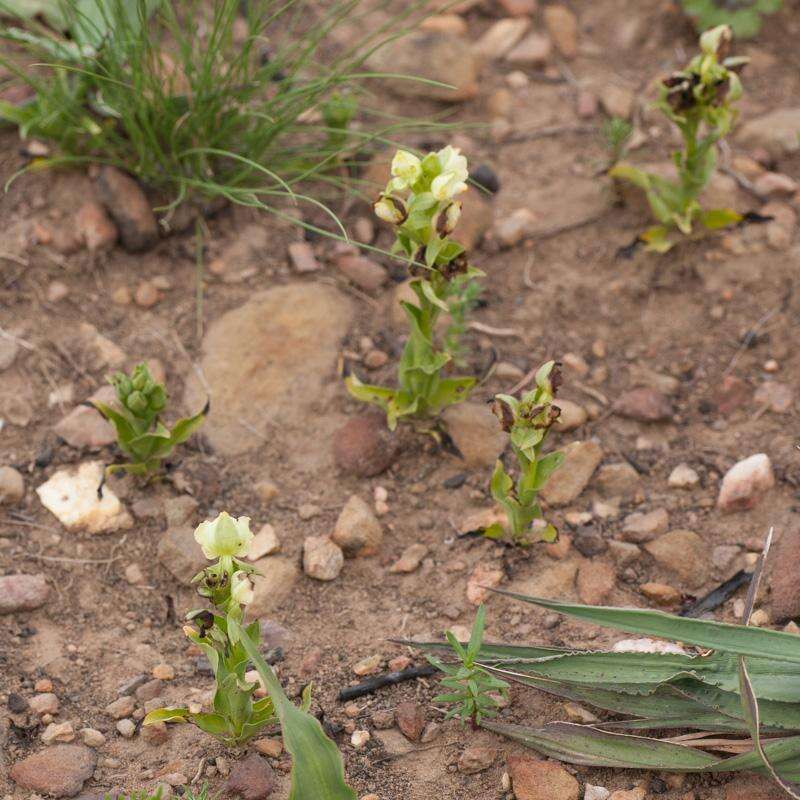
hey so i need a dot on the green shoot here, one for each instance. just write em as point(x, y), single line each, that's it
point(473, 690)
point(616, 132)
point(419, 202)
point(463, 295)
point(743, 16)
point(141, 435)
point(699, 100)
point(527, 421)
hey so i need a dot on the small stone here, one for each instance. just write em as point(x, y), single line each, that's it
point(572, 415)
point(623, 553)
point(57, 291)
point(476, 433)
point(8, 352)
point(126, 728)
point(775, 132)
point(482, 576)
point(362, 271)
point(58, 732)
point(92, 738)
point(267, 491)
point(357, 529)
point(519, 8)
point(84, 427)
point(150, 690)
point(771, 184)
point(644, 526)
point(533, 779)
point(682, 552)
point(322, 559)
point(643, 404)
point(303, 258)
point(562, 25)
point(732, 394)
point(59, 771)
point(410, 559)
point(513, 228)
point(122, 296)
point(534, 50)
point(180, 553)
point(146, 295)
point(587, 104)
point(595, 582)
point(155, 734)
point(71, 495)
point(745, 483)
point(369, 665)
point(43, 685)
point(759, 618)
point(568, 481)
point(445, 23)
point(12, 486)
point(476, 759)
point(410, 718)
point(121, 707)
point(617, 101)
point(264, 543)
point(364, 447)
point(644, 376)
point(592, 792)
point(359, 739)
point(723, 556)
point(629, 794)
point(618, 480)
point(134, 575)
point(383, 718)
point(272, 586)
point(776, 397)
point(661, 593)
point(375, 359)
point(753, 788)
point(269, 747)
point(576, 713)
point(95, 228)
point(22, 593)
point(251, 778)
point(126, 203)
point(683, 477)
point(164, 672)
point(45, 703)
point(243, 256)
point(500, 38)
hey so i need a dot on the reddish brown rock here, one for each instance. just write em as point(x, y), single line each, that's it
point(784, 580)
point(733, 393)
point(126, 203)
point(362, 271)
point(364, 446)
point(22, 593)
point(533, 779)
point(410, 718)
point(595, 582)
point(251, 778)
point(644, 405)
point(59, 771)
point(753, 788)
point(95, 227)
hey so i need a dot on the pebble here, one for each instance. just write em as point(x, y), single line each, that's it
point(562, 25)
point(164, 672)
point(12, 486)
point(369, 665)
point(772, 184)
point(587, 104)
point(71, 496)
point(501, 37)
point(126, 728)
point(577, 713)
point(445, 23)
point(272, 586)
point(618, 480)
point(179, 553)
point(56, 291)
point(745, 483)
point(747, 787)
point(476, 759)
point(252, 778)
point(269, 747)
point(364, 447)
point(267, 491)
point(476, 432)
point(565, 485)
point(483, 577)
point(592, 792)
point(519, 8)
point(362, 271)
point(572, 415)
point(58, 732)
point(643, 404)
point(623, 553)
point(146, 295)
point(22, 593)
point(410, 559)
point(357, 530)
point(92, 738)
point(510, 229)
point(45, 703)
point(533, 51)
point(9, 349)
point(59, 771)
point(533, 779)
point(84, 427)
point(629, 794)
point(359, 739)
point(776, 397)
point(322, 559)
point(644, 526)
point(684, 553)
point(617, 101)
point(302, 257)
point(129, 208)
point(121, 707)
point(732, 394)
point(264, 543)
point(95, 228)
point(383, 718)
point(410, 719)
point(661, 593)
point(595, 582)
point(683, 477)
point(375, 359)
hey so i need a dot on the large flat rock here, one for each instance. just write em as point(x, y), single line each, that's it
point(267, 363)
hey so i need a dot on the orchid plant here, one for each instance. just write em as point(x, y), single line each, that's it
point(141, 435)
point(699, 100)
point(231, 644)
point(420, 202)
point(527, 421)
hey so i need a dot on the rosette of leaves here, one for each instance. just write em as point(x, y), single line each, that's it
point(527, 421)
point(419, 201)
point(141, 435)
point(699, 100)
point(743, 16)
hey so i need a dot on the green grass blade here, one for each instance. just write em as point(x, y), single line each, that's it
point(736, 639)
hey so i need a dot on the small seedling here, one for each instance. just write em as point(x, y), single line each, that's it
point(473, 690)
point(699, 100)
point(527, 421)
point(419, 201)
point(616, 132)
point(141, 435)
point(463, 296)
point(743, 16)
point(230, 646)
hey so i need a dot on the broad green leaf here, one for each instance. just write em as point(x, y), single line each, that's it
point(166, 715)
point(545, 467)
point(317, 769)
point(735, 639)
point(627, 172)
point(215, 724)
point(655, 239)
point(51, 10)
point(450, 391)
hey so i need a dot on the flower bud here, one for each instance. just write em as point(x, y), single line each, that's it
point(716, 41)
point(449, 219)
point(241, 588)
point(122, 383)
point(136, 402)
point(389, 210)
point(224, 536)
point(158, 398)
point(140, 377)
point(406, 170)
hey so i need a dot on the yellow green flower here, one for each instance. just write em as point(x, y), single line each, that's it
point(224, 536)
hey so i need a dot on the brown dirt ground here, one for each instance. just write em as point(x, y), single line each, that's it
point(563, 293)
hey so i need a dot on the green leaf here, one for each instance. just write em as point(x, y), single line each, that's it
point(545, 467)
point(432, 297)
point(317, 769)
point(627, 172)
point(450, 391)
point(476, 637)
point(736, 639)
point(166, 715)
point(215, 724)
point(655, 239)
point(719, 218)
